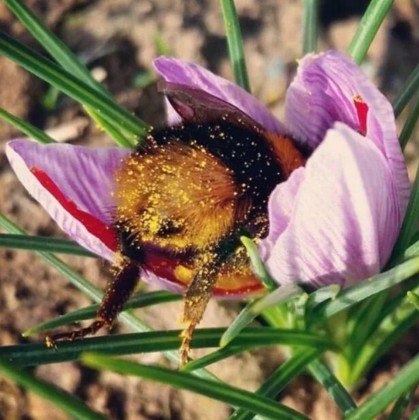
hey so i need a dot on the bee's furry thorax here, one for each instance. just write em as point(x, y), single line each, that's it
point(188, 187)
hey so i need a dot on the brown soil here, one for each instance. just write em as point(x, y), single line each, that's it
point(116, 38)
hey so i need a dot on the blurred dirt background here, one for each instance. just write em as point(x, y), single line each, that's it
point(118, 39)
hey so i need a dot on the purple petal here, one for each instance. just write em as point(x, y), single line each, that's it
point(281, 204)
point(196, 106)
point(345, 218)
point(74, 185)
point(172, 117)
point(326, 89)
point(193, 76)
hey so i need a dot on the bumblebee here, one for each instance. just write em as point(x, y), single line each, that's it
point(183, 199)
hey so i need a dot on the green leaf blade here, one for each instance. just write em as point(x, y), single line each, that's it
point(409, 125)
point(235, 43)
point(370, 287)
point(310, 26)
point(43, 243)
point(368, 28)
point(410, 226)
point(280, 378)
point(407, 91)
point(25, 127)
point(89, 312)
point(395, 388)
point(255, 308)
point(68, 403)
point(212, 389)
point(157, 341)
point(67, 83)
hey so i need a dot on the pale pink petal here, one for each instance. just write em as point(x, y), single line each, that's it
point(345, 218)
point(281, 205)
point(74, 185)
point(326, 89)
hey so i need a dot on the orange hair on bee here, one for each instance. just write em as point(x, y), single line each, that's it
point(287, 155)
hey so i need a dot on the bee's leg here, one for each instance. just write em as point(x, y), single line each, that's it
point(118, 291)
point(196, 300)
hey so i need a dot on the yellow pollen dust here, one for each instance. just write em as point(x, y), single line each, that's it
point(176, 195)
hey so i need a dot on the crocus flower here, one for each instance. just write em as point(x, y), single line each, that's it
point(335, 220)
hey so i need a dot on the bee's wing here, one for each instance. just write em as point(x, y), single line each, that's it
point(195, 105)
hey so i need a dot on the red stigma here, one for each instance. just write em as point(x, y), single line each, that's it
point(362, 112)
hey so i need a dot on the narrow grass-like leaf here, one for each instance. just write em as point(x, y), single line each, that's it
point(378, 401)
point(50, 98)
point(75, 278)
point(43, 243)
point(235, 43)
point(95, 294)
point(401, 405)
point(277, 316)
point(370, 287)
point(310, 26)
point(415, 414)
point(323, 374)
point(182, 380)
point(412, 251)
point(409, 125)
point(368, 317)
point(410, 223)
point(213, 357)
point(414, 299)
point(89, 312)
point(368, 28)
point(363, 322)
point(66, 82)
point(407, 91)
point(162, 48)
point(335, 389)
point(158, 341)
point(68, 403)
point(78, 280)
point(144, 79)
point(321, 295)
point(111, 128)
point(403, 316)
point(63, 55)
point(257, 264)
point(25, 127)
point(255, 308)
point(279, 379)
